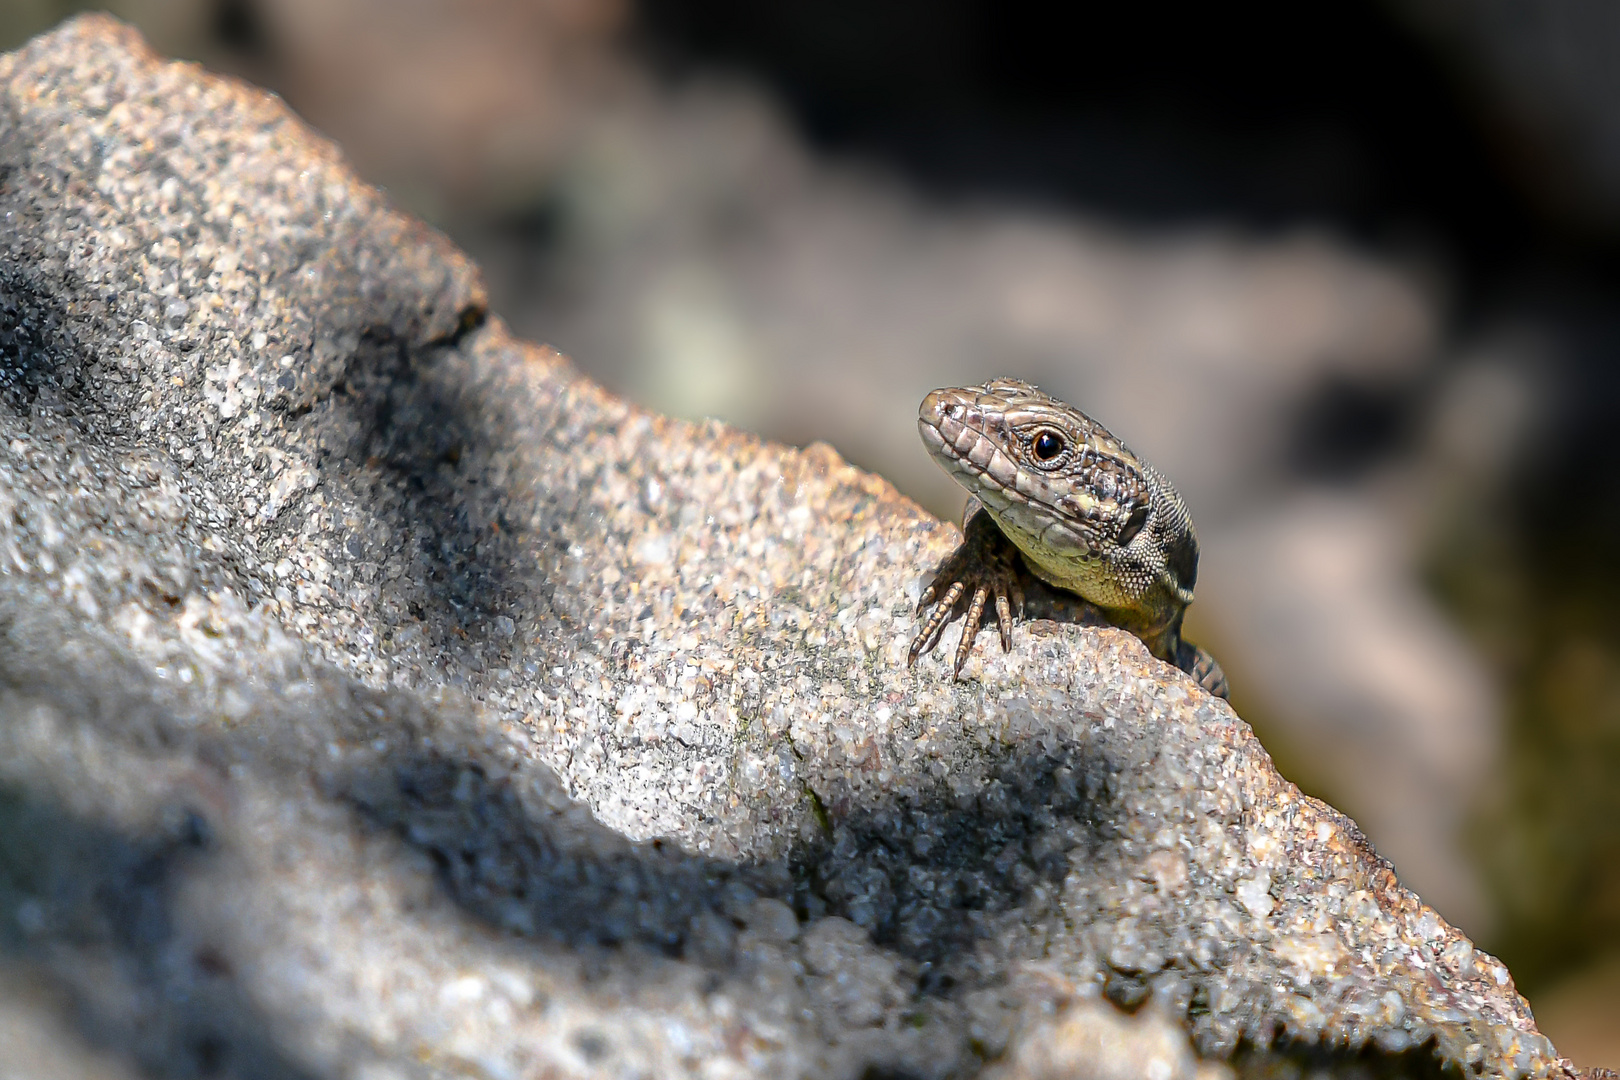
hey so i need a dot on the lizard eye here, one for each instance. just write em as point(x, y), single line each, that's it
point(1133, 525)
point(1047, 446)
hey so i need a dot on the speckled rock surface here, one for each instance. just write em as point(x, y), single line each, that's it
point(1092, 1040)
point(379, 698)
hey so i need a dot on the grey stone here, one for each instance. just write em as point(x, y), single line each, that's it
point(378, 697)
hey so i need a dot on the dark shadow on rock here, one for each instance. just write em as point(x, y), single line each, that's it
point(46, 374)
point(513, 852)
point(384, 422)
point(30, 337)
point(930, 878)
point(413, 448)
point(927, 879)
point(89, 909)
point(1288, 1058)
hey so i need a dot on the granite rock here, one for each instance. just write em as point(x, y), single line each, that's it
point(381, 698)
point(1095, 1041)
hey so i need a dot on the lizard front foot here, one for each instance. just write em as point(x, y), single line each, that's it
point(984, 567)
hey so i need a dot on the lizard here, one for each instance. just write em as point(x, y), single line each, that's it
point(1055, 490)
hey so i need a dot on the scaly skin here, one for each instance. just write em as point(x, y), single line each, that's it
point(1054, 489)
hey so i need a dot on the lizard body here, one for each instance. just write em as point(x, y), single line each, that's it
point(1055, 490)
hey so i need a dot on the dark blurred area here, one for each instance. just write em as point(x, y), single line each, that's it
point(1265, 113)
point(1347, 271)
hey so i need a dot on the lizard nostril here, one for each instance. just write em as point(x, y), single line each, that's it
point(936, 406)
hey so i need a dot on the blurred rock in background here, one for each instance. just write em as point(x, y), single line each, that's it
point(1345, 271)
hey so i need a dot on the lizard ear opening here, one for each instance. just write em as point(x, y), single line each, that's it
point(1133, 525)
point(1182, 558)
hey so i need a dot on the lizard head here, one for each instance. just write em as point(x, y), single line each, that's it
point(1088, 514)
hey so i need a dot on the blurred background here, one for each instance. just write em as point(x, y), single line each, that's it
point(1348, 272)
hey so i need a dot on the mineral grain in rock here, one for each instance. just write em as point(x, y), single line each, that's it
point(379, 697)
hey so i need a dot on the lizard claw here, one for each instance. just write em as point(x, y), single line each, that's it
point(984, 567)
point(970, 628)
point(930, 633)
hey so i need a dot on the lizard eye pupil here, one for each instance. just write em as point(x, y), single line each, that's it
point(1133, 525)
point(1048, 445)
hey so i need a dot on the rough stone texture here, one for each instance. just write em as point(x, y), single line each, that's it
point(379, 698)
point(1095, 1040)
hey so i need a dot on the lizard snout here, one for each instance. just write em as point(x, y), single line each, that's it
point(947, 405)
point(939, 405)
point(945, 418)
